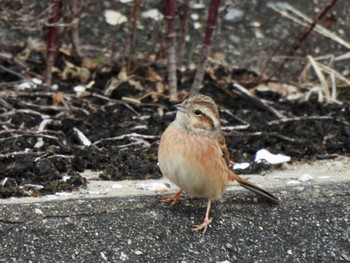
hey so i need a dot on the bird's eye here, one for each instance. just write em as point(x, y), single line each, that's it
point(197, 113)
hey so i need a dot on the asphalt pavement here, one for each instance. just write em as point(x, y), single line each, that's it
point(311, 224)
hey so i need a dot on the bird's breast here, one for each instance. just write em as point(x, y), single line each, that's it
point(193, 162)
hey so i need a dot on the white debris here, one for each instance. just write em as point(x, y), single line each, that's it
point(153, 14)
point(281, 6)
point(103, 256)
point(305, 178)
point(4, 181)
point(195, 16)
point(152, 186)
point(83, 139)
point(197, 5)
point(54, 87)
point(264, 154)
point(125, 1)
point(29, 84)
point(240, 166)
point(79, 88)
point(37, 81)
point(65, 178)
point(24, 85)
point(197, 25)
point(138, 252)
point(39, 143)
point(234, 14)
point(114, 17)
point(38, 211)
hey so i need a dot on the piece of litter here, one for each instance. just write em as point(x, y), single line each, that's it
point(4, 181)
point(37, 81)
point(114, 17)
point(153, 14)
point(264, 154)
point(54, 87)
point(25, 85)
point(117, 186)
point(39, 143)
point(240, 166)
point(234, 14)
point(84, 140)
point(65, 178)
point(79, 88)
point(293, 182)
point(305, 178)
point(151, 186)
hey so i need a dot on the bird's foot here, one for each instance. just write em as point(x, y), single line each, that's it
point(174, 198)
point(202, 227)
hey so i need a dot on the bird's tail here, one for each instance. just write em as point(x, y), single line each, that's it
point(252, 187)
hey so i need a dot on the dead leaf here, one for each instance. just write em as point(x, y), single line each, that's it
point(57, 98)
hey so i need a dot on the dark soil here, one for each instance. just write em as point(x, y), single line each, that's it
point(40, 150)
point(124, 136)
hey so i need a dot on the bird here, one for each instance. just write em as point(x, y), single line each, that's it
point(193, 155)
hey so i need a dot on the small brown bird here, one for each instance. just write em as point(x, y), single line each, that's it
point(194, 156)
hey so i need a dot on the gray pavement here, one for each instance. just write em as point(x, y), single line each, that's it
point(312, 224)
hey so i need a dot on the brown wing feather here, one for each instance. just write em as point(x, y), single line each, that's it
point(223, 146)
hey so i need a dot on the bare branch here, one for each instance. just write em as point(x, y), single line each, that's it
point(52, 42)
point(171, 50)
point(208, 38)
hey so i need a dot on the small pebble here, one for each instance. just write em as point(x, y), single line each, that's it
point(38, 211)
point(305, 178)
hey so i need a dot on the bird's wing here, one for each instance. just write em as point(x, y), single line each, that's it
point(224, 150)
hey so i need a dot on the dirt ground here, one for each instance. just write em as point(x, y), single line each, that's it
point(115, 129)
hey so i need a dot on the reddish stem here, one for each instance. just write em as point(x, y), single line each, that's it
point(133, 32)
point(208, 39)
point(303, 35)
point(183, 31)
point(171, 51)
point(52, 41)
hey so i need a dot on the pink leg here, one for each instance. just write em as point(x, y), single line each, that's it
point(206, 222)
point(174, 198)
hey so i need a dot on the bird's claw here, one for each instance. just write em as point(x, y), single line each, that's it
point(202, 227)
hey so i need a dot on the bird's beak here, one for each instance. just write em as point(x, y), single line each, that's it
point(180, 107)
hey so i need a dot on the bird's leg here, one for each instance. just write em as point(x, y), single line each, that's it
point(174, 198)
point(206, 221)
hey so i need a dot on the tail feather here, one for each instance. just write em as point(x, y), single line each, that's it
point(252, 187)
point(259, 191)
